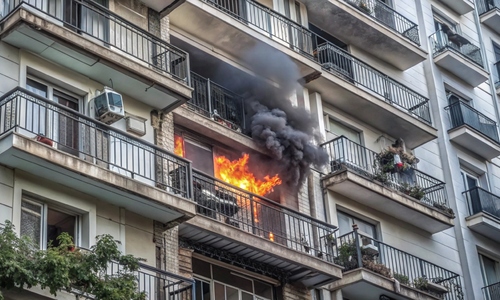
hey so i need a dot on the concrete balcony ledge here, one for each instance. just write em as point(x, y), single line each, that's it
point(145, 77)
point(365, 284)
point(492, 19)
point(485, 224)
point(387, 200)
point(20, 152)
point(475, 141)
point(461, 66)
point(460, 6)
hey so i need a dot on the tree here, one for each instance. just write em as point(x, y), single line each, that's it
point(66, 268)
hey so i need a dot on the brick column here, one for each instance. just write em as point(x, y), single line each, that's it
point(294, 292)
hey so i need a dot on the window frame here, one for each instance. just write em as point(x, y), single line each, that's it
point(363, 219)
point(483, 270)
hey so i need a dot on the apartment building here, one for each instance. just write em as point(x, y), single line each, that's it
point(256, 149)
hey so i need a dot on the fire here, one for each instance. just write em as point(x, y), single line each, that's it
point(236, 173)
point(271, 236)
point(179, 145)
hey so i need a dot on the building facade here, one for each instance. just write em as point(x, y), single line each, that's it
point(257, 149)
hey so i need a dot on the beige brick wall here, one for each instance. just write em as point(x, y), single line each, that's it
point(186, 262)
point(293, 292)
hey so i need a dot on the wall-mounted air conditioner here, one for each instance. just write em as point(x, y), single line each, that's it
point(108, 106)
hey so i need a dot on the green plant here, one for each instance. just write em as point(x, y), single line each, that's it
point(381, 269)
point(401, 278)
point(444, 208)
point(420, 283)
point(65, 268)
point(414, 191)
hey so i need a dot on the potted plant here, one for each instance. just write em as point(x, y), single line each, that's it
point(330, 240)
point(444, 209)
point(423, 284)
point(403, 279)
point(414, 191)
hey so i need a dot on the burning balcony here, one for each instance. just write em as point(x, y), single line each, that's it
point(473, 130)
point(369, 266)
point(361, 175)
point(484, 216)
point(460, 6)
point(489, 13)
point(459, 56)
point(250, 230)
point(102, 46)
point(93, 158)
point(370, 24)
point(348, 83)
point(492, 291)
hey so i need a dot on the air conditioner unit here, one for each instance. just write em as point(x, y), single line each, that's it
point(108, 106)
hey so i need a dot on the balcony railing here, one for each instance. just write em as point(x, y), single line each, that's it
point(345, 153)
point(355, 250)
point(260, 216)
point(441, 42)
point(332, 58)
point(217, 102)
point(491, 292)
point(462, 114)
point(386, 15)
point(32, 115)
point(105, 27)
point(484, 6)
point(480, 200)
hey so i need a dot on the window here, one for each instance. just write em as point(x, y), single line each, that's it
point(337, 129)
point(490, 271)
point(43, 223)
point(200, 154)
point(219, 283)
point(471, 181)
point(346, 221)
point(496, 67)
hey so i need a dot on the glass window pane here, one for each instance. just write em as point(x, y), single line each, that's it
point(57, 223)
point(263, 289)
point(231, 293)
point(340, 129)
point(246, 296)
point(201, 267)
point(219, 291)
point(31, 221)
point(201, 157)
point(36, 88)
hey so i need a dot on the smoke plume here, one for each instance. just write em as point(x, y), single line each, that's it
point(286, 131)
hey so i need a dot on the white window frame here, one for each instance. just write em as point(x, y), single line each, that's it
point(483, 271)
point(43, 220)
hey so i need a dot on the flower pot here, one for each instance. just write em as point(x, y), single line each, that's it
point(436, 288)
point(44, 140)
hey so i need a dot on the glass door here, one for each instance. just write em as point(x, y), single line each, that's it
point(471, 182)
point(491, 275)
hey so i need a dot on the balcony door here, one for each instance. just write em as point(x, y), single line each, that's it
point(490, 270)
point(384, 13)
point(471, 181)
point(89, 18)
point(496, 67)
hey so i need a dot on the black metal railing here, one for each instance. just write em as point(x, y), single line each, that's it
point(345, 153)
point(480, 200)
point(355, 250)
point(260, 216)
point(34, 116)
point(492, 291)
point(107, 28)
point(442, 41)
point(484, 6)
point(216, 102)
point(496, 69)
point(389, 17)
point(331, 57)
point(462, 114)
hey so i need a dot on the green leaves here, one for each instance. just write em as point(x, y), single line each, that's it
point(66, 268)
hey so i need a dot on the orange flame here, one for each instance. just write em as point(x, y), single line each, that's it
point(271, 236)
point(236, 173)
point(179, 145)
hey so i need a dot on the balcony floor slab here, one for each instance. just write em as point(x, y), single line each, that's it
point(310, 270)
point(29, 29)
point(474, 141)
point(492, 19)
point(19, 152)
point(387, 200)
point(460, 6)
point(365, 284)
point(461, 67)
point(485, 224)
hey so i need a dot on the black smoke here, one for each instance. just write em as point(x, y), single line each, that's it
point(287, 132)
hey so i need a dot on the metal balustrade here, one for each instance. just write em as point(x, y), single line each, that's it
point(355, 250)
point(32, 115)
point(331, 57)
point(102, 26)
point(260, 216)
point(386, 15)
point(484, 6)
point(462, 114)
point(345, 153)
point(217, 102)
point(440, 42)
point(492, 291)
point(480, 200)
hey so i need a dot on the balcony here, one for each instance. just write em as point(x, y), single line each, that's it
point(354, 173)
point(489, 13)
point(93, 158)
point(368, 266)
point(348, 83)
point(484, 217)
point(473, 130)
point(370, 24)
point(460, 6)
point(251, 231)
point(155, 283)
point(456, 54)
point(102, 46)
point(491, 292)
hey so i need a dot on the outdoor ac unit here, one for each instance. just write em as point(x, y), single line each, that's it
point(108, 106)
